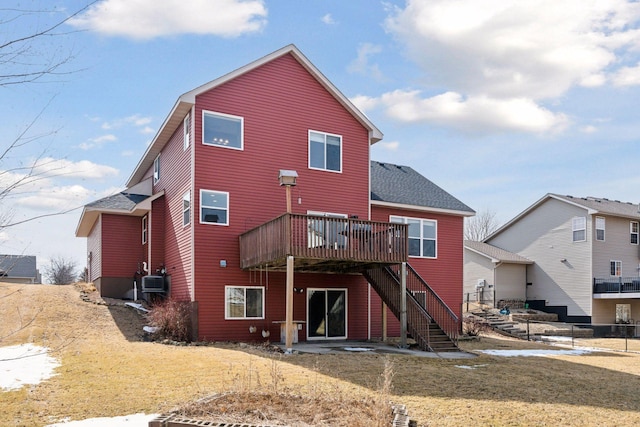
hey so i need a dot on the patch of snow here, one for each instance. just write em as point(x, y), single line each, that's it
point(536, 352)
point(136, 420)
point(25, 364)
point(136, 306)
point(150, 329)
point(358, 349)
point(470, 366)
point(556, 338)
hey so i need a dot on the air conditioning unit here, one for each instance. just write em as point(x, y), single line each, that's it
point(153, 284)
point(480, 284)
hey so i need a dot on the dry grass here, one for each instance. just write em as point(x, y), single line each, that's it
point(107, 371)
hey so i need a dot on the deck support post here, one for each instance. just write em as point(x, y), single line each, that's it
point(289, 305)
point(403, 305)
point(384, 322)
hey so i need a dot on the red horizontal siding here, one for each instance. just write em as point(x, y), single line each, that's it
point(444, 274)
point(122, 248)
point(280, 102)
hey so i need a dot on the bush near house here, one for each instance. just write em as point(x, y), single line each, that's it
point(172, 318)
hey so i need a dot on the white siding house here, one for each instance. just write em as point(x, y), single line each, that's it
point(585, 256)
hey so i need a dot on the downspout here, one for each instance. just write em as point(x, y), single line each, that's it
point(495, 277)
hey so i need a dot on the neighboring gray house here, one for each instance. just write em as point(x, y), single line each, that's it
point(492, 274)
point(585, 253)
point(19, 269)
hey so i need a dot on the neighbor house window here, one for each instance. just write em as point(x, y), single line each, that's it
point(156, 169)
point(186, 208)
point(214, 207)
point(144, 229)
point(623, 313)
point(244, 302)
point(222, 130)
point(579, 228)
point(186, 125)
point(422, 236)
point(600, 228)
point(616, 268)
point(325, 151)
point(633, 229)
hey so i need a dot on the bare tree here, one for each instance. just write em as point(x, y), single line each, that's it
point(61, 271)
point(30, 55)
point(478, 227)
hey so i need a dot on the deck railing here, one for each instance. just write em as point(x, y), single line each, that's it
point(616, 285)
point(323, 238)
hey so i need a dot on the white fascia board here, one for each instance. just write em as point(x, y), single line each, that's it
point(421, 208)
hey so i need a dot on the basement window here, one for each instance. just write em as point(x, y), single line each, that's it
point(244, 302)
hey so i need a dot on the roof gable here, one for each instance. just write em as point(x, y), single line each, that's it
point(186, 101)
point(402, 186)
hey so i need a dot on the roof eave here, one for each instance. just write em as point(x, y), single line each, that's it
point(422, 208)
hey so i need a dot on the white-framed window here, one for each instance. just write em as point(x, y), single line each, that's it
point(623, 313)
point(214, 207)
point(244, 302)
point(616, 268)
point(600, 227)
point(579, 228)
point(423, 236)
point(633, 231)
point(325, 151)
point(186, 208)
point(145, 229)
point(186, 128)
point(156, 169)
point(222, 130)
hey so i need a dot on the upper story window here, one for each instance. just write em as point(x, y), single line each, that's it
point(144, 230)
point(325, 151)
point(616, 268)
point(222, 130)
point(633, 230)
point(214, 207)
point(186, 208)
point(600, 226)
point(579, 228)
point(186, 127)
point(156, 169)
point(423, 236)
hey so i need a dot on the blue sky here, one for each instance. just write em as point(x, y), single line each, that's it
point(497, 101)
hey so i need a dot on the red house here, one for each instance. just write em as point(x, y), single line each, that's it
point(257, 202)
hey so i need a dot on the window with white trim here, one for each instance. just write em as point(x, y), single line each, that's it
point(325, 151)
point(144, 229)
point(156, 169)
point(633, 231)
point(616, 268)
point(244, 302)
point(222, 130)
point(186, 128)
point(214, 207)
point(600, 226)
point(423, 236)
point(579, 228)
point(186, 208)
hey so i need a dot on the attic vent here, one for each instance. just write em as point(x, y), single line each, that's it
point(153, 284)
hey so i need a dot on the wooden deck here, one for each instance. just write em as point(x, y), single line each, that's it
point(323, 244)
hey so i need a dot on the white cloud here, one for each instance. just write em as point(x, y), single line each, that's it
point(478, 114)
point(361, 64)
point(497, 60)
point(365, 103)
point(328, 19)
point(143, 19)
point(389, 145)
point(134, 120)
point(147, 130)
point(512, 48)
point(588, 129)
point(83, 169)
point(56, 198)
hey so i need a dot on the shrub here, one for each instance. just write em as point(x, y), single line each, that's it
point(172, 318)
point(474, 326)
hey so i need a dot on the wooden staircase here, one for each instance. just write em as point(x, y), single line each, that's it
point(430, 322)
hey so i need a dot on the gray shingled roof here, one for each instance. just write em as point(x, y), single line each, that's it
point(605, 206)
point(403, 185)
point(120, 201)
point(496, 253)
point(18, 265)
